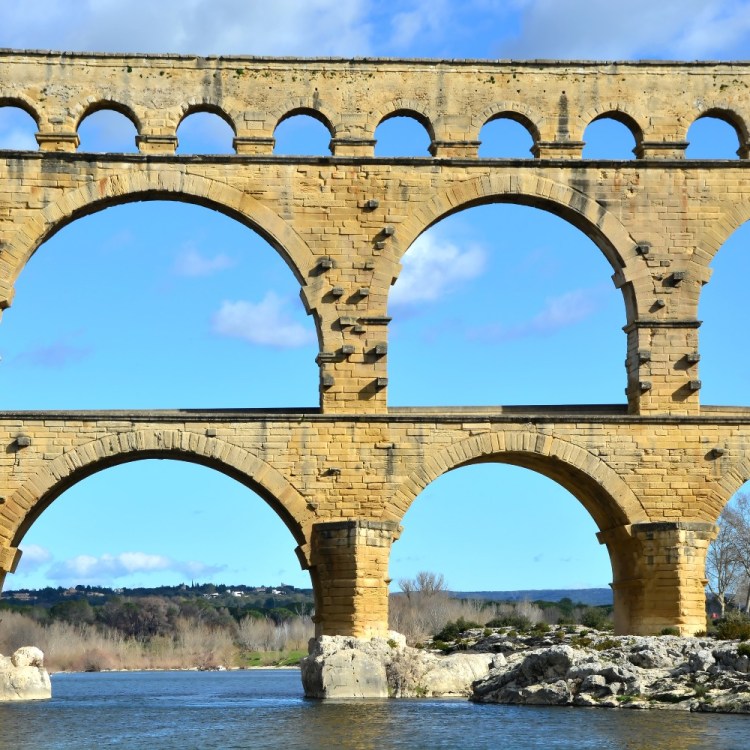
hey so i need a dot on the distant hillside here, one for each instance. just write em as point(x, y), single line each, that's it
point(591, 597)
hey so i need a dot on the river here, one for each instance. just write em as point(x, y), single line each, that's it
point(265, 709)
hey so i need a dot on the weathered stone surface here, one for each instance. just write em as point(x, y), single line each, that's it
point(23, 676)
point(660, 672)
point(343, 667)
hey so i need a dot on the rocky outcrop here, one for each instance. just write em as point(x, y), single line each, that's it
point(598, 670)
point(23, 676)
point(344, 667)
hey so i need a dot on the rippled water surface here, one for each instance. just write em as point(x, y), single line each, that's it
point(265, 709)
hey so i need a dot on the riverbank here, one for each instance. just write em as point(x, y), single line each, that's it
point(546, 666)
point(575, 666)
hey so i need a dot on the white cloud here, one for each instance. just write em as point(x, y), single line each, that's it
point(33, 557)
point(433, 267)
point(558, 313)
point(313, 27)
point(639, 28)
point(89, 569)
point(191, 263)
point(265, 323)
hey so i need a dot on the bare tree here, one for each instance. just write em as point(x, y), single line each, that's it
point(728, 559)
point(722, 566)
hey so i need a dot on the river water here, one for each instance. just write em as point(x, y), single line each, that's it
point(265, 709)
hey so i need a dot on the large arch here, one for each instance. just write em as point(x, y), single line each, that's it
point(129, 187)
point(604, 494)
point(583, 212)
point(35, 495)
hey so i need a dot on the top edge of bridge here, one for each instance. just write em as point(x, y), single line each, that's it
point(366, 60)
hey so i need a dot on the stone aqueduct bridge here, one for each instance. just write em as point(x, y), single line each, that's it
point(654, 473)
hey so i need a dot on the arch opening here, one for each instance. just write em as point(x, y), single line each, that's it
point(715, 135)
point(168, 330)
point(205, 131)
point(303, 132)
point(507, 136)
point(724, 366)
point(514, 313)
point(611, 136)
point(186, 543)
point(540, 544)
point(403, 133)
point(107, 129)
point(18, 128)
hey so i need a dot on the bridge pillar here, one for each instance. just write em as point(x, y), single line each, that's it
point(349, 567)
point(662, 365)
point(659, 576)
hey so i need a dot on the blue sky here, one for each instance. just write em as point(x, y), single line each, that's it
point(489, 285)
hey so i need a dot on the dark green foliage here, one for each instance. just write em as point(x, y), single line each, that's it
point(454, 629)
point(670, 631)
point(596, 618)
point(743, 649)
point(74, 611)
point(581, 641)
point(541, 627)
point(735, 625)
point(605, 644)
point(519, 622)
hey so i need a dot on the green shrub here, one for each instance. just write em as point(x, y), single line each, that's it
point(670, 631)
point(743, 649)
point(441, 646)
point(596, 618)
point(519, 622)
point(606, 643)
point(541, 627)
point(735, 625)
point(580, 641)
point(392, 643)
point(487, 632)
point(454, 629)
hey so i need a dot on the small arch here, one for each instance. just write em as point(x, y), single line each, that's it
point(108, 129)
point(108, 104)
point(612, 135)
point(18, 126)
point(717, 133)
point(404, 132)
point(205, 129)
point(298, 132)
point(507, 135)
point(21, 103)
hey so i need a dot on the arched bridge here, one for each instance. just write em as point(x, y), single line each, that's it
point(654, 474)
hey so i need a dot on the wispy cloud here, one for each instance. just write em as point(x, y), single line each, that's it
point(192, 263)
point(265, 323)
point(53, 356)
point(433, 267)
point(313, 27)
point(683, 29)
point(558, 313)
point(89, 569)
